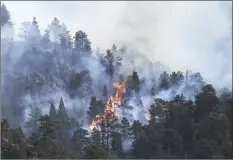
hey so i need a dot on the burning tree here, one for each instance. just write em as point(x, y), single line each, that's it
point(111, 106)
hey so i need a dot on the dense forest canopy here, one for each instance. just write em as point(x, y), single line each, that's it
point(54, 85)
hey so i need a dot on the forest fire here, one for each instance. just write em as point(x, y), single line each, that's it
point(148, 117)
point(111, 106)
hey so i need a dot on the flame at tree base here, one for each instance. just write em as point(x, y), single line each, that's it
point(111, 107)
point(148, 117)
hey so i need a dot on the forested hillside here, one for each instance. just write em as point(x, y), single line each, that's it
point(55, 88)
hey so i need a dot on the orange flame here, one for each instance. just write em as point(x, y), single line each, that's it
point(148, 117)
point(111, 106)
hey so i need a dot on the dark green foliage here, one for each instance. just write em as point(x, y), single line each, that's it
point(94, 152)
point(112, 61)
point(80, 83)
point(116, 142)
point(133, 83)
point(65, 39)
point(52, 111)
point(105, 93)
point(81, 42)
point(63, 123)
point(62, 114)
point(5, 15)
point(178, 128)
point(164, 81)
point(176, 78)
point(125, 127)
point(96, 108)
point(33, 121)
point(171, 142)
point(45, 142)
point(204, 149)
point(206, 102)
point(147, 143)
point(35, 26)
point(135, 130)
point(12, 142)
point(79, 141)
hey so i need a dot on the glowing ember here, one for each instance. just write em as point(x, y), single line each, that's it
point(148, 117)
point(111, 107)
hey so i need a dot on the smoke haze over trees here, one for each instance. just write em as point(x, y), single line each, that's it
point(53, 85)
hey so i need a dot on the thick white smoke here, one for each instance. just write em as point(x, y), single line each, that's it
point(171, 35)
point(183, 35)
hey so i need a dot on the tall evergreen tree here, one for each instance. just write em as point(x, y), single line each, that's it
point(112, 61)
point(52, 111)
point(133, 83)
point(64, 123)
point(176, 78)
point(62, 113)
point(65, 38)
point(45, 142)
point(79, 141)
point(125, 127)
point(105, 93)
point(33, 121)
point(164, 81)
point(5, 15)
point(81, 42)
point(206, 102)
point(96, 108)
point(35, 27)
point(116, 143)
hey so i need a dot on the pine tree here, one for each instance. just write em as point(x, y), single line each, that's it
point(135, 130)
point(45, 142)
point(96, 108)
point(54, 32)
point(13, 143)
point(62, 114)
point(125, 127)
point(5, 15)
point(82, 43)
point(152, 91)
point(147, 145)
point(94, 152)
point(35, 27)
point(96, 137)
point(112, 62)
point(155, 111)
point(116, 143)
point(33, 121)
point(79, 141)
point(52, 111)
point(45, 40)
point(133, 83)
point(176, 78)
point(64, 123)
point(206, 102)
point(136, 82)
point(105, 93)
point(65, 38)
point(164, 81)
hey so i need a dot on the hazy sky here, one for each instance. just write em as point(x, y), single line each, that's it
point(184, 35)
point(97, 19)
